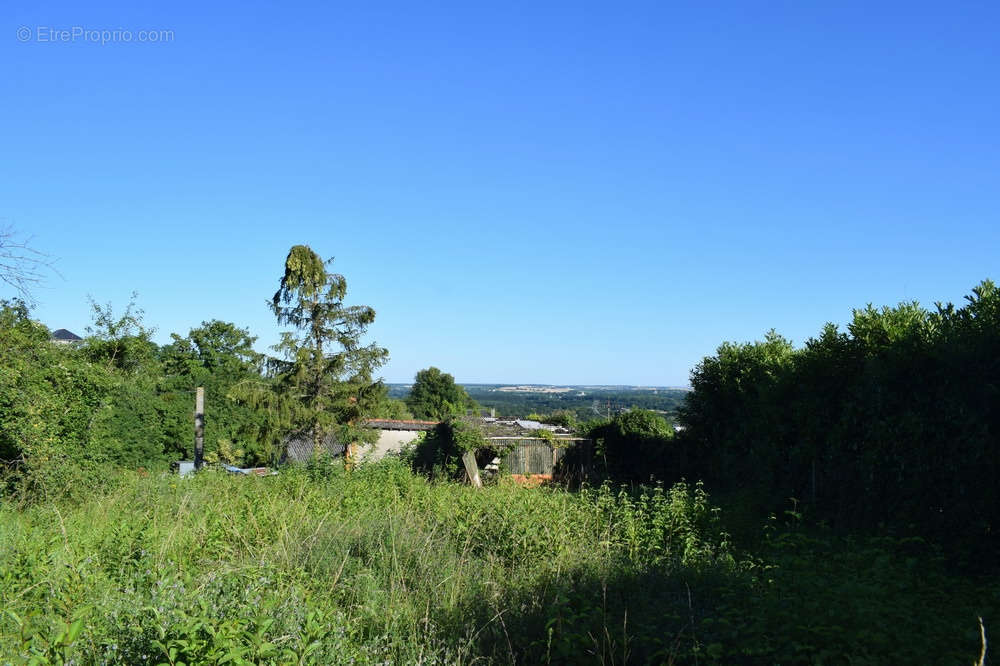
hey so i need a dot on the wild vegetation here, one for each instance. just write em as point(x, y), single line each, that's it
point(326, 566)
point(852, 518)
point(70, 412)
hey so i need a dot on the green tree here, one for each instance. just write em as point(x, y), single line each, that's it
point(120, 342)
point(27, 407)
point(560, 417)
point(436, 396)
point(49, 397)
point(735, 412)
point(439, 452)
point(891, 423)
point(215, 347)
point(217, 355)
point(127, 426)
point(386, 407)
point(635, 444)
point(322, 384)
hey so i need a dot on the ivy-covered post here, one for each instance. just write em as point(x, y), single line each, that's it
point(199, 427)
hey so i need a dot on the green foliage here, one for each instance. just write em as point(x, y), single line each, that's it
point(635, 445)
point(216, 348)
point(323, 384)
point(385, 407)
point(892, 423)
point(71, 413)
point(127, 428)
point(219, 357)
point(561, 417)
point(382, 566)
point(49, 395)
point(23, 349)
point(439, 452)
point(436, 396)
point(121, 343)
point(391, 409)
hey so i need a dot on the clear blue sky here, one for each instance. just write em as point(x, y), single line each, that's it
point(544, 192)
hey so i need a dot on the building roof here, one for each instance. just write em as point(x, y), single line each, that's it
point(401, 424)
point(66, 336)
point(491, 427)
point(536, 425)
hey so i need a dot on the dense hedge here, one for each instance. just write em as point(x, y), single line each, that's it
point(894, 422)
point(114, 400)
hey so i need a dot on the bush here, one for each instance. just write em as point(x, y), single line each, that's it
point(438, 453)
point(635, 445)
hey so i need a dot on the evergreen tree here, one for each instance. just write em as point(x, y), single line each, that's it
point(322, 384)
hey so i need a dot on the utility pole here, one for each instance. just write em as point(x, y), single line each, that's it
point(199, 427)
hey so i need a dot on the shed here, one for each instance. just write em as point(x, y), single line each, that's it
point(535, 456)
point(299, 447)
point(394, 434)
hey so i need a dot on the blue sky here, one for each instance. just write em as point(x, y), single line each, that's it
point(545, 192)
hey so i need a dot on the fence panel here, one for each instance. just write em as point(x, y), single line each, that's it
point(533, 455)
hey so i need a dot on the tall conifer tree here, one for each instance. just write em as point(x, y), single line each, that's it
point(322, 380)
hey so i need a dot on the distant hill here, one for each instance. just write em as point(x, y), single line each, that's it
point(586, 401)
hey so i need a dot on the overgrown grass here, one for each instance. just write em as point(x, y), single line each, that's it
point(381, 566)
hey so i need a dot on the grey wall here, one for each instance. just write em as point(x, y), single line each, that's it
point(389, 441)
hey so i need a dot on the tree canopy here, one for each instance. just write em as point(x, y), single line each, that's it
point(436, 396)
point(217, 356)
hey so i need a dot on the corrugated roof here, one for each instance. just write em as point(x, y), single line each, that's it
point(535, 425)
point(401, 424)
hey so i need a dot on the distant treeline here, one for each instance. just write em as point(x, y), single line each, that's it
point(595, 403)
point(894, 422)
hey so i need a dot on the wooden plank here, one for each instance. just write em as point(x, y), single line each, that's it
point(471, 468)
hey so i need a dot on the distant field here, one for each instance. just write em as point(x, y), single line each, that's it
point(586, 401)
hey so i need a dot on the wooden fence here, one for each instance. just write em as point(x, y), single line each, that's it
point(536, 456)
